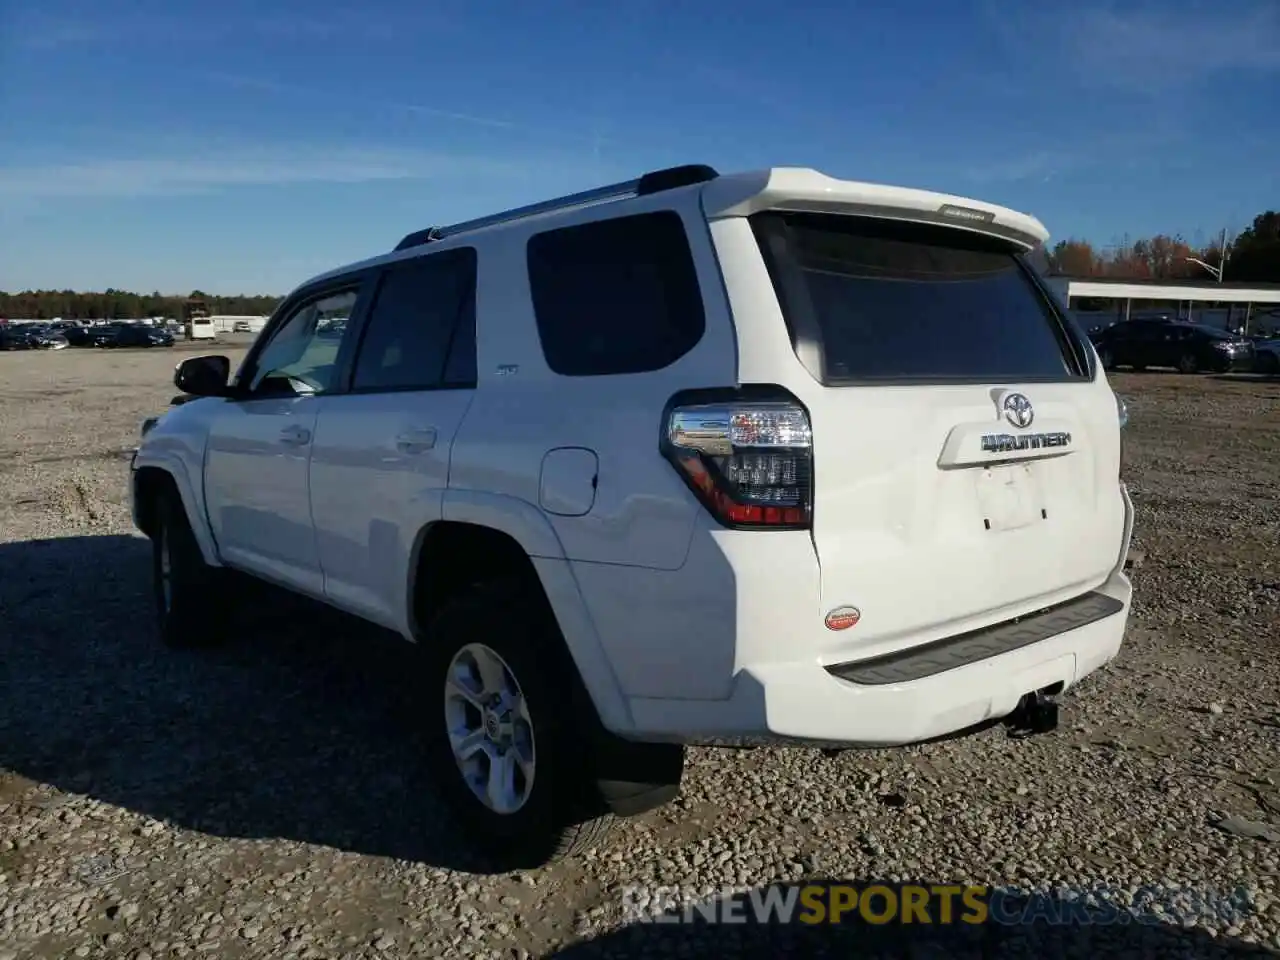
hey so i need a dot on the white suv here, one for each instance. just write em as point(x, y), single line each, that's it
point(756, 458)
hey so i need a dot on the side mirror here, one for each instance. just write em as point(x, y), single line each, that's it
point(203, 376)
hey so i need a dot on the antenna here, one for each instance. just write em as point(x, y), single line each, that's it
point(653, 182)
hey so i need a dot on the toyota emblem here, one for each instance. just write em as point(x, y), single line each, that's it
point(1017, 410)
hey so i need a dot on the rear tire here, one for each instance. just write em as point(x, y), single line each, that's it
point(188, 606)
point(1107, 359)
point(1188, 363)
point(499, 697)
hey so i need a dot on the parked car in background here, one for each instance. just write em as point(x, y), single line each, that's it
point(1266, 355)
point(1189, 347)
point(103, 335)
point(14, 337)
point(82, 335)
point(1094, 327)
point(50, 338)
point(31, 336)
point(139, 335)
point(242, 326)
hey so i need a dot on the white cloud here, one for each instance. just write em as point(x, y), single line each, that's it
point(1172, 43)
point(1146, 48)
point(567, 134)
point(37, 30)
point(1041, 165)
point(227, 168)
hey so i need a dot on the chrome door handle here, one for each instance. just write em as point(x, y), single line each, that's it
point(295, 436)
point(416, 441)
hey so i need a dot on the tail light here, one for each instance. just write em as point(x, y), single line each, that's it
point(1122, 412)
point(750, 462)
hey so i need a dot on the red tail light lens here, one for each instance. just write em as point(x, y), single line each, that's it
point(1122, 411)
point(749, 462)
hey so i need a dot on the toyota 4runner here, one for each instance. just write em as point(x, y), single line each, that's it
point(756, 458)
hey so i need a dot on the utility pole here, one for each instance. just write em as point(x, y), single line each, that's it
point(1221, 268)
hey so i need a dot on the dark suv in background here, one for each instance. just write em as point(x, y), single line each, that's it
point(124, 335)
point(1189, 347)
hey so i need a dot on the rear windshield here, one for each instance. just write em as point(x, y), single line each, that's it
point(884, 300)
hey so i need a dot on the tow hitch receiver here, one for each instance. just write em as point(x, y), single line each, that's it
point(1035, 713)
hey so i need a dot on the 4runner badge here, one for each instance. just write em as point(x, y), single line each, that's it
point(842, 618)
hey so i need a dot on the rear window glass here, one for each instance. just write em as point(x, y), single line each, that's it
point(885, 300)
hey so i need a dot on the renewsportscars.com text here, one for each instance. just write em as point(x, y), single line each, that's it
point(932, 904)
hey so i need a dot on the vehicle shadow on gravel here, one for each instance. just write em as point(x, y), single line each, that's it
point(303, 727)
point(1269, 379)
point(1017, 926)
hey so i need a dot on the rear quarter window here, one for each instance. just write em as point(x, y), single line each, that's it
point(615, 296)
point(893, 301)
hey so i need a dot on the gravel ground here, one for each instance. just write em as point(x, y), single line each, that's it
point(266, 799)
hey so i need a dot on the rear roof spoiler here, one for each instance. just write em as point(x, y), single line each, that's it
point(801, 189)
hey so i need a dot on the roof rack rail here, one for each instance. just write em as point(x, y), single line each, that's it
point(653, 182)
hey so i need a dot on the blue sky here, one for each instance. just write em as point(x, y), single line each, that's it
point(243, 146)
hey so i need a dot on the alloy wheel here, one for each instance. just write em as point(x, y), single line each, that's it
point(490, 730)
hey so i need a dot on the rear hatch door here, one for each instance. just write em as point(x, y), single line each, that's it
point(965, 458)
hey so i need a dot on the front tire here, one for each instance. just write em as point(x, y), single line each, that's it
point(187, 603)
point(504, 741)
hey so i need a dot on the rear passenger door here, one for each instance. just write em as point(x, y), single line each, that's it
point(380, 460)
point(1162, 344)
point(1141, 343)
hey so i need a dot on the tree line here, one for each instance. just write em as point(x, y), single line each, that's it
point(1252, 257)
point(122, 305)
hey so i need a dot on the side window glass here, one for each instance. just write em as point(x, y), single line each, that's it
point(460, 370)
point(615, 296)
point(301, 357)
point(415, 320)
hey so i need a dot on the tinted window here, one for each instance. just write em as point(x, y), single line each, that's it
point(615, 296)
point(890, 300)
point(1213, 333)
point(302, 355)
point(1145, 330)
point(423, 307)
point(460, 368)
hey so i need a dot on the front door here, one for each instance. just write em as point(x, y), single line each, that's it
point(259, 446)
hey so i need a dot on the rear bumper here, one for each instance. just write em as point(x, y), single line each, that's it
point(805, 703)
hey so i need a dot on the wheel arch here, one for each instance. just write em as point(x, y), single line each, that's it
point(150, 479)
point(489, 536)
